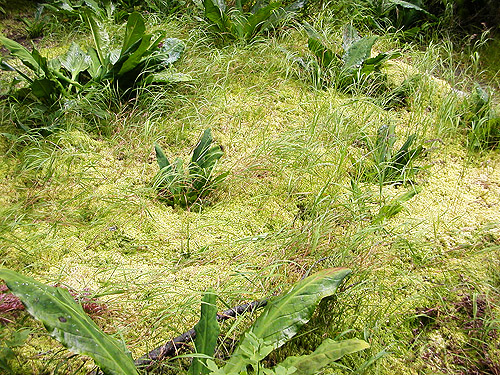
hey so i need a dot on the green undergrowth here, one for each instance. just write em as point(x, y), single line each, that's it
point(77, 206)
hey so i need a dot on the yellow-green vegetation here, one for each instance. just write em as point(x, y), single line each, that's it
point(78, 207)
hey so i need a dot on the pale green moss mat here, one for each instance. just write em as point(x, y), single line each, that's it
point(77, 208)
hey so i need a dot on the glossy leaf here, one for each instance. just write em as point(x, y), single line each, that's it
point(358, 52)
point(214, 11)
point(68, 323)
point(207, 331)
point(283, 316)
point(21, 53)
point(329, 351)
point(96, 35)
point(75, 60)
point(134, 31)
point(160, 157)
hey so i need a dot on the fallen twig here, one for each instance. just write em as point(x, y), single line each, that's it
point(171, 347)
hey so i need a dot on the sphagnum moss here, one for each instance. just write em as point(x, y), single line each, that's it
point(79, 210)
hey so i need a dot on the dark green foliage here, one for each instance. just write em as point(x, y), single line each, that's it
point(246, 19)
point(182, 186)
point(281, 319)
point(142, 57)
point(68, 323)
point(481, 121)
point(354, 66)
point(408, 16)
point(46, 83)
point(207, 330)
point(388, 165)
point(101, 9)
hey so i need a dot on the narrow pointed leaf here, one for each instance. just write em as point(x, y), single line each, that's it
point(160, 157)
point(202, 147)
point(134, 31)
point(21, 53)
point(283, 316)
point(207, 330)
point(68, 323)
point(329, 351)
point(96, 35)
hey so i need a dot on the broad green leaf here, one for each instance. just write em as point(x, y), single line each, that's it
point(202, 147)
point(283, 14)
point(207, 331)
point(75, 60)
point(283, 316)
point(160, 157)
point(95, 69)
point(214, 11)
point(22, 54)
point(133, 60)
point(324, 55)
point(68, 323)
point(259, 17)
point(43, 88)
point(170, 51)
point(358, 52)
point(96, 35)
point(329, 351)
point(134, 31)
point(407, 5)
point(349, 37)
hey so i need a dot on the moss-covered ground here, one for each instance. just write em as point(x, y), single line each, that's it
point(77, 206)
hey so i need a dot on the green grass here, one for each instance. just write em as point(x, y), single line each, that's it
point(77, 206)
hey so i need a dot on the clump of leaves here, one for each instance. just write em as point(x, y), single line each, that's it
point(481, 121)
point(386, 164)
point(101, 9)
point(142, 59)
point(67, 322)
point(35, 26)
point(182, 186)
point(409, 16)
point(139, 60)
point(353, 66)
point(247, 18)
point(47, 82)
point(9, 341)
point(278, 323)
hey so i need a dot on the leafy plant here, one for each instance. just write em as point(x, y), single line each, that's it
point(355, 64)
point(389, 165)
point(67, 322)
point(184, 186)
point(395, 206)
point(247, 18)
point(35, 26)
point(101, 9)
point(278, 323)
point(141, 59)
point(401, 15)
point(8, 342)
point(481, 120)
point(46, 83)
